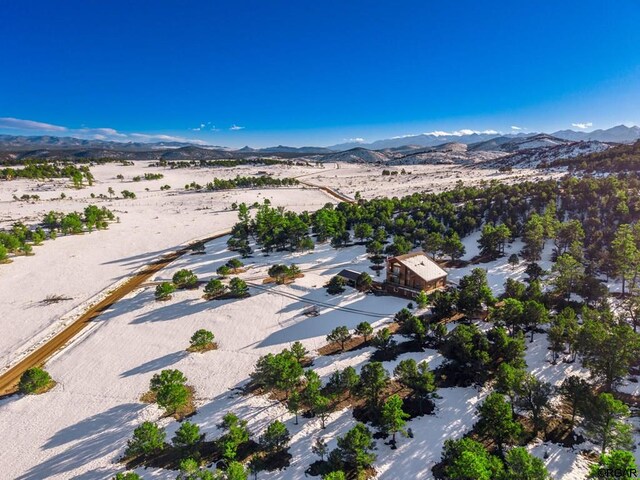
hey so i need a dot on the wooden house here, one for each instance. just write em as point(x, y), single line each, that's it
point(411, 273)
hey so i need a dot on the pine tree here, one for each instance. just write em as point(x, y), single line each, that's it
point(392, 417)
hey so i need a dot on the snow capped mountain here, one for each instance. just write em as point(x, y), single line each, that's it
point(510, 144)
point(424, 140)
point(617, 134)
point(357, 155)
point(532, 157)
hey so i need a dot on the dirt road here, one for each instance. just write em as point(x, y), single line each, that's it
point(9, 380)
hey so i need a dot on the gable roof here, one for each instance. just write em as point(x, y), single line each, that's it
point(349, 274)
point(421, 265)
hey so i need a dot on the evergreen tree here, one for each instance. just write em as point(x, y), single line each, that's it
point(164, 291)
point(275, 438)
point(339, 335)
point(201, 339)
point(364, 329)
point(522, 465)
point(466, 459)
point(496, 421)
point(604, 422)
point(188, 435)
point(473, 291)
point(355, 449)
point(147, 438)
point(34, 380)
point(392, 417)
point(615, 461)
point(373, 379)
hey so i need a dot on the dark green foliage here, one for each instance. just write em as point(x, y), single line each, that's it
point(172, 397)
point(34, 380)
point(496, 421)
point(364, 329)
point(383, 340)
point(373, 379)
point(201, 339)
point(281, 371)
point(577, 393)
point(520, 464)
point(238, 288)
point(166, 377)
point(335, 285)
point(467, 348)
point(604, 422)
point(616, 460)
point(339, 335)
point(185, 279)
point(493, 239)
point(127, 476)
point(188, 435)
point(275, 438)
point(354, 450)
point(466, 459)
point(392, 417)
point(250, 182)
point(473, 292)
point(147, 438)
point(214, 288)
point(164, 291)
point(608, 349)
point(236, 433)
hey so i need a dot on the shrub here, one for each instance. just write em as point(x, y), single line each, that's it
point(185, 279)
point(147, 438)
point(335, 285)
point(34, 380)
point(275, 437)
point(214, 288)
point(202, 340)
point(238, 288)
point(164, 291)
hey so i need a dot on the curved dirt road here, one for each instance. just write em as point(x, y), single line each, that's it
point(9, 379)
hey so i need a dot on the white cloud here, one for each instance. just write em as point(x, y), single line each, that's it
point(200, 127)
point(582, 125)
point(144, 137)
point(19, 124)
point(353, 140)
point(92, 133)
point(514, 127)
point(235, 127)
point(459, 133)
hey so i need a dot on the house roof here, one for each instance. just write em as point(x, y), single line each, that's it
point(349, 274)
point(422, 266)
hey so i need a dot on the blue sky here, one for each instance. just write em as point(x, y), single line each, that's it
point(314, 73)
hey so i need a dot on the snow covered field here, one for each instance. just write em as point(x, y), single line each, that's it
point(80, 428)
point(84, 266)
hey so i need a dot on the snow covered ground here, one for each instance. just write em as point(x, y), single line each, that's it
point(80, 428)
point(83, 267)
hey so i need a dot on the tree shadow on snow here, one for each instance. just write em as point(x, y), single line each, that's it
point(86, 441)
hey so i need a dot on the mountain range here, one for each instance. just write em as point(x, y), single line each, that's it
point(617, 134)
point(481, 141)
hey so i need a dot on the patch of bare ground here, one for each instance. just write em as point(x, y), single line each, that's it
point(286, 281)
point(46, 388)
point(203, 348)
point(355, 343)
point(186, 411)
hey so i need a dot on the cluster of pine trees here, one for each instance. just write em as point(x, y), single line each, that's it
point(20, 239)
